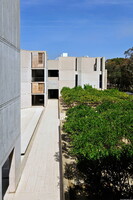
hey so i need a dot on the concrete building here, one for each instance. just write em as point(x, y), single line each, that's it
point(33, 78)
point(75, 71)
point(53, 75)
point(9, 95)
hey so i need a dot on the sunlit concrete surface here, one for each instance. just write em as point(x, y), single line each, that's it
point(29, 120)
point(40, 179)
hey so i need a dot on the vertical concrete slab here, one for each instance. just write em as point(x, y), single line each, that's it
point(10, 85)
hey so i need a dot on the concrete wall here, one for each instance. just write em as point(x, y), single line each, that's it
point(86, 72)
point(53, 64)
point(25, 79)
point(10, 89)
point(66, 72)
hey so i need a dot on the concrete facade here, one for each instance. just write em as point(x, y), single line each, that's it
point(30, 83)
point(9, 95)
point(88, 71)
point(63, 72)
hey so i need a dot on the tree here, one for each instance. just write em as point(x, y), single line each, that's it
point(120, 73)
point(129, 53)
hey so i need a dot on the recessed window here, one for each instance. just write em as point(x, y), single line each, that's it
point(76, 64)
point(76, 80)
point(53, 94)
point(37, 100)
point(38, 75)
point(100, 81)
point(53, 73)
point(101, 64)
point(95, 65)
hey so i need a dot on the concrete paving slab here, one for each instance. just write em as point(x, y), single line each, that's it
point(41, 178)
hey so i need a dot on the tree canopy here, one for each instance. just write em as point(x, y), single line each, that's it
point(120, 71)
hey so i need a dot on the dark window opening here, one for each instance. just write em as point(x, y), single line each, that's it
point(38, 75)
point(37, 100)
point(76, 64)
point(76, 80)
point(95, 65)
point(53, 94)
point(53, 73)
point(5, 174)
point(100, 81)
point(101, 64)
point(40, 58)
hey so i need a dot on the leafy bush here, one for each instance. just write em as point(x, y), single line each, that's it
point(102, 132)
point(100, 127)
point(92, 96)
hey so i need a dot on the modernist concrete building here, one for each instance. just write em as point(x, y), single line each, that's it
point(9, 95)
point(43, 79)
point(75, 71)
point(33, 78)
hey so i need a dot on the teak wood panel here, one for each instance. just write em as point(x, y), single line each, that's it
point(37, 88)
point(35, 61)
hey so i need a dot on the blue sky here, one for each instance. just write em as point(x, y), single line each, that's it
point(78, 27)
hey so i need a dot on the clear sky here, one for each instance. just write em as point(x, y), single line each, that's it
point(79, 27)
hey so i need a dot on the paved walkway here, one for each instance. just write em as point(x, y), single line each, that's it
point(40, 178)
point(29, 121)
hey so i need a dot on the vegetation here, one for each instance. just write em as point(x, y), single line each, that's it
point(120, 72)
point(91, 96)
point(100, 128)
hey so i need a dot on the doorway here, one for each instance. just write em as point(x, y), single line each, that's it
point(53, 94)
point(37, 100)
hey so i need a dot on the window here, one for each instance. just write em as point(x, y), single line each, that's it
point(101, 64)
point(37, 100)
point(76, 80)
point(53, 94)
point(76, 64)
point(53, 73)
point(38, 75)
point(100, 81)
point(40, 58)
point(95, 65)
